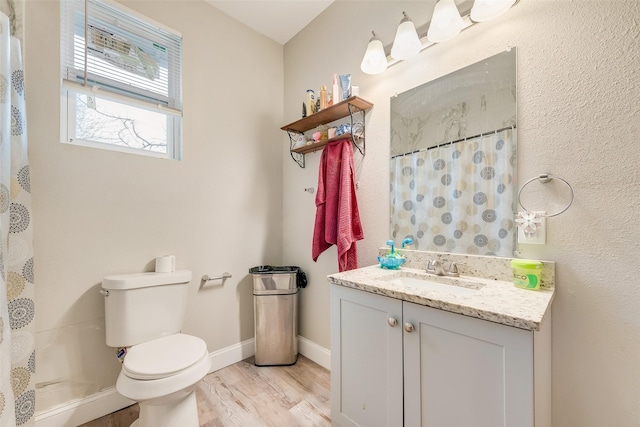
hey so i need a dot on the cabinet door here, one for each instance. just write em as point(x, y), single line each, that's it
point(366, 359)
point(461, 371)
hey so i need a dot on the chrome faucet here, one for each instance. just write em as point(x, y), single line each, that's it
point(435, 266)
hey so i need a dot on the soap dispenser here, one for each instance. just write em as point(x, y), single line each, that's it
point(392, 260)
point(392, 248)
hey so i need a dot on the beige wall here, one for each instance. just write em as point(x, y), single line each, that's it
point(99, 212)
point(578, 97)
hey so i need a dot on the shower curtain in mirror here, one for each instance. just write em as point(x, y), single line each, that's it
point(17, 355)
point(457, 197)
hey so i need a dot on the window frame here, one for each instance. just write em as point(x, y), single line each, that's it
point(109, 89)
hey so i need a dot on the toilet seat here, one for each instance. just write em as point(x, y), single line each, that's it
point(163, 357)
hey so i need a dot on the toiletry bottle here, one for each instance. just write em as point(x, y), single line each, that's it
point(345, 86)
point(323, 97)
point(336, 90)
point(311, 102)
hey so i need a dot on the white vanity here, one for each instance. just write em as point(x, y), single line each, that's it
point(406, 352)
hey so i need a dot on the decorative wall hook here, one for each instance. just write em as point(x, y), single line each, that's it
point(532, 227)
point(530, 222)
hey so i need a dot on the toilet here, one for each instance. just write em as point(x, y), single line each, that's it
point(144, 314)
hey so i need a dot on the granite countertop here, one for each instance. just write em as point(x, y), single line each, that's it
point(496, 300)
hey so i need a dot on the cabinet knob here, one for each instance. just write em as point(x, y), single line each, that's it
point(409, 327)
point(392, 322)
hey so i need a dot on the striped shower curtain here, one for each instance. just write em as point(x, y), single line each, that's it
point(17, 354)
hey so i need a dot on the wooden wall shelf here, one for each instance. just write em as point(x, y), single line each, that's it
point(328, 115)
point(311, 148)
point(346, 108)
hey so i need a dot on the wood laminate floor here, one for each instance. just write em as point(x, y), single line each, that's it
point(244, 395)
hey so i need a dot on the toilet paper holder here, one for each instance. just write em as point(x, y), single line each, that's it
point(223, 276)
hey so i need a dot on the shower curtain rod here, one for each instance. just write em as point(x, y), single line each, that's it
point(444, 144)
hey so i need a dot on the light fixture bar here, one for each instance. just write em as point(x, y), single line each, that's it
point(467, 22)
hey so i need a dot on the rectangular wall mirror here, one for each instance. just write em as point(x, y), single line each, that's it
point(453, 160)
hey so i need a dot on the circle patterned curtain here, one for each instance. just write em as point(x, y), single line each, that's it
point(458, 197)
point(17, 307)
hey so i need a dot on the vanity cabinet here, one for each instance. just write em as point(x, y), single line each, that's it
point(397, 363)
point(366, 359)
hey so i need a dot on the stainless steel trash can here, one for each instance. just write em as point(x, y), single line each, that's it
point(275, 310)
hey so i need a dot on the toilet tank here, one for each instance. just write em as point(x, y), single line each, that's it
point(143, 306)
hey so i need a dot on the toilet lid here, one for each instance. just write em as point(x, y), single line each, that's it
point(163, 357)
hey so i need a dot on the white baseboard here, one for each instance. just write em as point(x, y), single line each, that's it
point(314, 352)
point(232, 354)
point(80, 411)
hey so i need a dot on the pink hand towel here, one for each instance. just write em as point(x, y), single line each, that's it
point(337, 217)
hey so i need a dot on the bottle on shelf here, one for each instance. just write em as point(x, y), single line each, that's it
point(336, 90)
point(311, 102)
point(323, 98)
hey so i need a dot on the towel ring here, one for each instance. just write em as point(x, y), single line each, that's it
point(545, 178)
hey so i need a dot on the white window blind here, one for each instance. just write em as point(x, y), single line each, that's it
point(113, 56)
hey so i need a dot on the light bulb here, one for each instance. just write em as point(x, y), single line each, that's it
point(446, 22)
point(406, 44)
point(375, 60)
point(485, 10)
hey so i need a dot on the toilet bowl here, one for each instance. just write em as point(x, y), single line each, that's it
point(161, 376)
point(144, 312)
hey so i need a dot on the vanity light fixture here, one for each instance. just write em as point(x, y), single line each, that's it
point(375, 60)
point(446, 22)
point(407, 43)
point(485, 10)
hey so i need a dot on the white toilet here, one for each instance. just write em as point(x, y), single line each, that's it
point(144, 312)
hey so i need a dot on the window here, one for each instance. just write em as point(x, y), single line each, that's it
point(121, 80)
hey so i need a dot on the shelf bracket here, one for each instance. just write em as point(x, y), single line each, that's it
point(357, 128)
point(293, 137)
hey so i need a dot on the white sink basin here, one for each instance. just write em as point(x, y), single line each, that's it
point(449, 285)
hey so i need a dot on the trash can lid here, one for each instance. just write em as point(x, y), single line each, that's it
point(262, 269)
point(301, 277)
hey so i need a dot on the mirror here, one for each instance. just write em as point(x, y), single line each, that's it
point(453, 160)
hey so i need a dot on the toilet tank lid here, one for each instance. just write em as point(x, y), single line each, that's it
point(143, 280)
